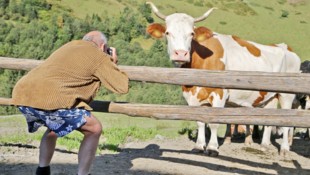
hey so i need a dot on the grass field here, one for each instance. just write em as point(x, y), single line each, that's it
point(117, 129)
point(262, 21)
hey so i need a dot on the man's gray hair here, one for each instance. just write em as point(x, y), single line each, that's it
point(95, 38)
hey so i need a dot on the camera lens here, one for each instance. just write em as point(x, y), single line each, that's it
point(110, 51)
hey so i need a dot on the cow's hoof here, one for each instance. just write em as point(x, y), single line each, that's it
point(196, 150)
point(199, 149)
point(264, 147)
point(211, 153)
point(227, 140)
point(284, 153)
point(248, 141)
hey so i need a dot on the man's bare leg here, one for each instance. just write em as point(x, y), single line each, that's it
point(47, 148)
point(92, 131)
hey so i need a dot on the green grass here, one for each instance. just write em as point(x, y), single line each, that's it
point(117, 129)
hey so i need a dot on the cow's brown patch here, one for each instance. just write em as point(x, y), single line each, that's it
point(156, 30)
point(191, 89)
point(204, 94)
point(260, 98)
point(207, 53)
point(289, 48)
point(250, 47)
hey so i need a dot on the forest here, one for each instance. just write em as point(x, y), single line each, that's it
point(33, 29)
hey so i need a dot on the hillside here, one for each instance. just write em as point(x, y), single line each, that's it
point(262, 21)
point(34, 29)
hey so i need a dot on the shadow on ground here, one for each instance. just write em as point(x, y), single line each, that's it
point(122, 163)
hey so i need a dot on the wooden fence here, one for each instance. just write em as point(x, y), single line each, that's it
point(276, 82)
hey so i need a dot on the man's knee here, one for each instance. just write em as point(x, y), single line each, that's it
point(97, 129)
point(93, 126)
point(51, 134)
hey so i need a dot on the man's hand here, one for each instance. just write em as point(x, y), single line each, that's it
point(114, 55)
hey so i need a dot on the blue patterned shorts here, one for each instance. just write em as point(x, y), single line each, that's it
point(62, 121)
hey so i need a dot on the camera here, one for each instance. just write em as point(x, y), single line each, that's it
point(109, 51)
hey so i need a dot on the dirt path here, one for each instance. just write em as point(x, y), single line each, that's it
point(164, 156)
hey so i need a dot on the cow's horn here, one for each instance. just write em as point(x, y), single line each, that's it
point(156, 11)
point(204, 16)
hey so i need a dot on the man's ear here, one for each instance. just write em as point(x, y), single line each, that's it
point(202, 34)
point(102, 47)
point(156, 30)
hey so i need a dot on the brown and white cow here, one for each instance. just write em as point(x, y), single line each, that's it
point(201, 48)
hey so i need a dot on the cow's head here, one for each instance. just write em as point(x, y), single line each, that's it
point(179, 31)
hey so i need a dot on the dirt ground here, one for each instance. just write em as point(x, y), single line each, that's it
point(166, 156)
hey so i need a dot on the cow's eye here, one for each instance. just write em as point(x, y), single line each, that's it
point(167, 33)
point(192, 34)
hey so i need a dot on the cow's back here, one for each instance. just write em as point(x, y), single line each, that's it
point(245, 55)
point(241, 55)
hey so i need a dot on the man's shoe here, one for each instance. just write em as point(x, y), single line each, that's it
point(43, 170)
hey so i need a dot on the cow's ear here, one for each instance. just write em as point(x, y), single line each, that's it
point(156, 30)
point(202, 34)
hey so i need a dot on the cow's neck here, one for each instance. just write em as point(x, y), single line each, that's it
point(206, 55)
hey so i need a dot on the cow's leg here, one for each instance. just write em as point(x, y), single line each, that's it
point(286, 101)
point(255, 133)
point(267, 129)
point(266, 136)
point(291, 136)
point(201, 138)
point(236, 132)
point(307, 107)
point(219, 102)
point(212, 149)
point(285, 147)
point(228, 134)
point(248, 136)
point(200, 145)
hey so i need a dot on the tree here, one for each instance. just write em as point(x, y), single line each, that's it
point(146, 12)
point(4, 3)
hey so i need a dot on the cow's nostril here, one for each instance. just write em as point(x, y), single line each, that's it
point(176, 53)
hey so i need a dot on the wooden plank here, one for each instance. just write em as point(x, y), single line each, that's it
point(5, 101)
point(252, 116)
point(261, 81)
point(18, 63)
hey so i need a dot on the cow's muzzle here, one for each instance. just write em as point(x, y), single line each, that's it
point(180, 57)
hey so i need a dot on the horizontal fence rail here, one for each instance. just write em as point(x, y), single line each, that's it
point(252, 116)
point(245, 80)
point(277, 82)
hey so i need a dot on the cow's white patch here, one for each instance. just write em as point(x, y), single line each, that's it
point(307, 107)
point(217, 100)
point(192, 99)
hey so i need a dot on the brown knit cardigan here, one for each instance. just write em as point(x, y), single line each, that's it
point(69, 78)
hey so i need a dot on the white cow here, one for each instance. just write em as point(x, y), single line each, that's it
point(201, 48)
